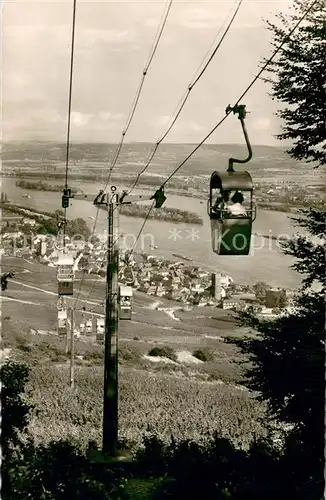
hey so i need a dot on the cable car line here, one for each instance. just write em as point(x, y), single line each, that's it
point(132, 250)
point(219, 43)
point(131, 115)
point(95, 280)
point(229, 111)
point(184, 99)
point(158, 37)
point(179, 109)
point(138, 93)
point(244, 92)
point(142, 226)
point(84, 271)
point(65, 262)
point(67, 192)
point(215, 39)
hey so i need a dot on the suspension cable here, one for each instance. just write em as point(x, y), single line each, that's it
point(184, 99)
point(131, 252)
point(267, 63)
point(142, 226)
point(84, 271)
point(136, 99)
point(237, 102)
point(69, 110)
point(95, 280)
point(227, 114)
point(131, 115)
point(179, 109)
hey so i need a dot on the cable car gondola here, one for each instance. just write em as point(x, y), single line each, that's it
point(231, 225)
point(62, 322)
point(65, 274)
point(125, 302)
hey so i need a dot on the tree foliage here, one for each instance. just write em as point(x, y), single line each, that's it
point(298, 79)
point(309, 252)
point(48, 226)
point(260, 289)
point(60, 471)
point(288, 356)
point(78, 227)
point(74, 226)
point(14, 408)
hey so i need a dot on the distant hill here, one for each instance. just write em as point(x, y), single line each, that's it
point(209, 157)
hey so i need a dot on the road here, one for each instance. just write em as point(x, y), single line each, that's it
point(30, 303)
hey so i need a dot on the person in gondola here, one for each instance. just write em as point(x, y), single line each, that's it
point(237, 209)
point(221, 201)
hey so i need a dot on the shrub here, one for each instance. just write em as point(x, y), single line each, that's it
point(129, 354)
point(94, 356)
point(15, 410)
point(229, 373)
point(164, 352)
point(204, 354)
point(25, 347)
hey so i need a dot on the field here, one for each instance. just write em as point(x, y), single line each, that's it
point(185, 397)
point(268, 163)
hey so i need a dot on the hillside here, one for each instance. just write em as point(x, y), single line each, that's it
point(203, 161)
point(195, 396)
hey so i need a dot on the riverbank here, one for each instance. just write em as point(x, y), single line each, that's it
point(147, 182)
point(41, 186)
point(139, 211)
point(26, 211)
point(95, 176)
point(265, 262)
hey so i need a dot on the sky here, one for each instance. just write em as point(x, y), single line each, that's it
point(113, 40)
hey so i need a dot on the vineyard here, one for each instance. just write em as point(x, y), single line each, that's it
point(158, 402)
point(186, 401)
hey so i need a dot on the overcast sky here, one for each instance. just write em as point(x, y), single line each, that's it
point(112, 45)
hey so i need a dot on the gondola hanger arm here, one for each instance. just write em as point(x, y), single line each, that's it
point(240, 109)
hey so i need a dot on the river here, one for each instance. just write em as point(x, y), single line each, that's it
point(266, 262)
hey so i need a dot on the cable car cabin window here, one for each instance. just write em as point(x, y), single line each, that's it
point(231, 212)
point(125, 308)
point(219, 199)
point(231, 204)
point(125, 302)
point(65, 272)
point(62, 322)
point(232, 225)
